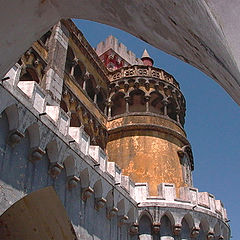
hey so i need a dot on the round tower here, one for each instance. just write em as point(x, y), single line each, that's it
point(146, 111)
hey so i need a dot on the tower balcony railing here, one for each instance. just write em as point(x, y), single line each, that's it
point(143, 71)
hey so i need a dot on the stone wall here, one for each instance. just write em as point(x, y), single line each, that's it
point(39, 149)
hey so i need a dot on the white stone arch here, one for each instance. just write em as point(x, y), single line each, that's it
point(205, 224)
point(85, 178)
point(70, 165)
point(132, 214)
point(203, 229)
point(170, 216)
point(121, 205)
point(48, 221)
point(52, 151)
point(185, 229)
point(226, 233)
point(145, 226)
point(98, 189)
point(189, 219)
point(34, 135)
point(217, 231)
point(12, 116)
point(217, 58)
point(166, 224)
point(110, 199)
point(6, 100)
point(147, 213)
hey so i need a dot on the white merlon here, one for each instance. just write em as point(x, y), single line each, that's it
point(115, 171)
point(189, 198)
point(99, 156)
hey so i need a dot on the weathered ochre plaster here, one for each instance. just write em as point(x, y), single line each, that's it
point(146, 154)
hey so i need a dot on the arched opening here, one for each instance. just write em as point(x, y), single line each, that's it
point(202, 233)
point(119, 104)
point(217, 231)
point(74, 121)
point(98, 189)
point(137, 102)
point(185, 231)
point(29, 75)
point(171, 109)
point(166, 228)
point(90, 86)
point(48, 221)
point(69, 60)
point(145, 228)
point(101, 100)
point(63, 106)
point(156, 105)
point(79, 71)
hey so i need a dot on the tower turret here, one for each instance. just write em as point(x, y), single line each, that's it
point(146, 112)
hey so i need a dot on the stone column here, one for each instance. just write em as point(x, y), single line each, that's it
point(127, 98)
point(74, 64)
point(86, 78)
point(96, 93)
point(147, 100)
point(165, 103)
point(58, 44)
point(178, 112)
point(110, 108)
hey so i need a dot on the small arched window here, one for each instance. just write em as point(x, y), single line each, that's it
point(101, 100)
point(90, 87)
point(145, 228)
point(166, 228)
point(137, 102)
point(119, 104)
point(156, 105)
point(78, 75)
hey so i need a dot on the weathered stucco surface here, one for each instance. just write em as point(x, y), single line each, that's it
point(146, 151)
point(201, 33)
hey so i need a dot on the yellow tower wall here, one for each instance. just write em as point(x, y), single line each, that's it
point(145, 147)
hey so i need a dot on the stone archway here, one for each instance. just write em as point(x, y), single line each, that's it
point(39, 215)
point(201, 33)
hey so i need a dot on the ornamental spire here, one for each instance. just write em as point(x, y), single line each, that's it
point(147, 60)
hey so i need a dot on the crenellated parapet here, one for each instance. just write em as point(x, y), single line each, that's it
point(119, 52)
point(67, 150)
point(195, 215)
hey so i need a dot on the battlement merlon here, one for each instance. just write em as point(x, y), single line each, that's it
point(112, 43)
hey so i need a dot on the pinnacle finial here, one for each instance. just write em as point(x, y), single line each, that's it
point(145, 54)
point(147, 60)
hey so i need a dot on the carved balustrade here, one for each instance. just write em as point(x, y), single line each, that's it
point(143, 71)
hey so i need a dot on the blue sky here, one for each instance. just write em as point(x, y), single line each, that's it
point(212, 121)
